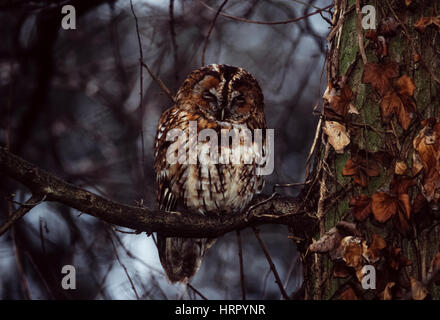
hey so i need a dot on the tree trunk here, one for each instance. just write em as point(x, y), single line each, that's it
point(376, 174)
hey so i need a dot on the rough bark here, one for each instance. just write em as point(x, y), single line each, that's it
point(389, 146)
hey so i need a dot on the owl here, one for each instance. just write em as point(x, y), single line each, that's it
point(214, 97)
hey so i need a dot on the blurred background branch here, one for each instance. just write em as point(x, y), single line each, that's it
point(70, 104)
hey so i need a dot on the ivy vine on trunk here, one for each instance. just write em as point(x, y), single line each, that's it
point(377, 172)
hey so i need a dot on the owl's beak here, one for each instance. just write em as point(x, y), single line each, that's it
point(222, 116)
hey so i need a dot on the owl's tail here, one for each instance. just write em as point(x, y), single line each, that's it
point(181, 257)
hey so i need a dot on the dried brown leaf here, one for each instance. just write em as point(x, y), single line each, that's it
point(424, 22)
point(418, 290)
point(387, 294)
point(361, 207)
point(351, 248)
point(400, 168)
point(337, 134)
point(384, 206)
point(380, 76)
point(348, 294)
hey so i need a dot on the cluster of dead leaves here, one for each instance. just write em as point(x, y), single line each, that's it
point(396, 93)
point(361, 168)
point(356, 252)
point(395, 203)
point(347, 248)
point(338, 103)
point(379, 39)
point(350, 252)
point(424, 22)
point(426, 158)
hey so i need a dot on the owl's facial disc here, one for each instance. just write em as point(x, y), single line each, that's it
point(222, 102)
point(223, 93)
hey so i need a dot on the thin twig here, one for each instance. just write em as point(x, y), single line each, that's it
point(290, 271)
point(20, 212)
point(263, 290)
point(306, 4)
point(240, 258)
point(290, 185)
point(252, 207)
point(41, 223)
point(123, 267)
point(320, 214)
point(173, 37)
point(141, 93)
point(28, 204)
point(210, 30)
point(159, 82)
point(271, 264)
point(101, 285)
point(360, 32)
point(266, 22)
point(134, 257)
point(196, 291)
point(18, 260)
point(48, 288)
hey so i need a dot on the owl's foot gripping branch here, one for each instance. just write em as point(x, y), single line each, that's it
point(45, 186)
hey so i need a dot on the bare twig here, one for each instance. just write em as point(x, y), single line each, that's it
point(210, 30)
point(141, 93)
point(313, 147)
point(173, 36)
point(196, 291)
point(271, 264)
point(320, 214)
point(23, 279)
point(48, 288)
point(42, 226)
point(254, 206)
point(266, 22)
point(240, 258)
point(159, 82)
point(123, 267)
point(360, 32)
point(20, 212)
point(102, 282)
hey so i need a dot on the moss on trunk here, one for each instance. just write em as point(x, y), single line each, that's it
point(417, 54)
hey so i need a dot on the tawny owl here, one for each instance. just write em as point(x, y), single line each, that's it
point(215, 97)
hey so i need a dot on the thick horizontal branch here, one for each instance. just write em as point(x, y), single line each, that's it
point(276, 210)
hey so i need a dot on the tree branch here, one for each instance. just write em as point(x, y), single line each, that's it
point(20, 212)
point(279, 210)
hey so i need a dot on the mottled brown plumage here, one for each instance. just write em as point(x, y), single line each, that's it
point(216, 97)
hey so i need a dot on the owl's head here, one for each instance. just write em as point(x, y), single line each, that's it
point(222, 93)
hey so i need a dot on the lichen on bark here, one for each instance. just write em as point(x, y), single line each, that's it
point(418, 56)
